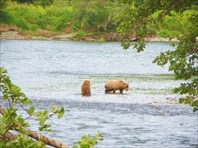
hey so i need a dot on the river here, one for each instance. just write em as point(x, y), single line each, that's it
point(148, 115)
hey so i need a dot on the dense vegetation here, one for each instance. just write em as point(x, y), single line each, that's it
point(171, 19)
point(62, 15)
point(97, 16)
point(91, 16)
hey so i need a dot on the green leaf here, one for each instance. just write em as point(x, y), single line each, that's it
point(3, 71)
point(31, 110)
point(88, 142)
point(54, 109)
point(61, 113)
point(125, 45)
point(195, 109)
point(181, 100)
point(195, 103)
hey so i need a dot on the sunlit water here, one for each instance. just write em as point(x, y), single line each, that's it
point(148, 115)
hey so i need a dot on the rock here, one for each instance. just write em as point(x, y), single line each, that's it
point(11, 35)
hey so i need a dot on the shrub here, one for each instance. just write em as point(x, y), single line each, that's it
point(80, 35)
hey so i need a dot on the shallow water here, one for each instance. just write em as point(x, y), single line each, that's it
point(51, 73)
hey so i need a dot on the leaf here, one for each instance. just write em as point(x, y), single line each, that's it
point(195, 109)
point(61, 113)
point(54, 109)
point(181, 100)
point(125, 45)
point(88, 142)
point(31, 110)
point(195, 103)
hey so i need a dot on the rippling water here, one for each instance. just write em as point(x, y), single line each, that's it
point(51, 72)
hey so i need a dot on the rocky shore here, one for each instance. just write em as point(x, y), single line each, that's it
point(13, 33)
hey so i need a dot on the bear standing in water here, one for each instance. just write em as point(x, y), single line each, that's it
point(86, 88)
point(114, 85)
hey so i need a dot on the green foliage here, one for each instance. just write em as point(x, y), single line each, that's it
point(194, 104)
point(57, 15)
point(56, 18)
point(191, 89)
point(25, 1)
point(11, 92)
point(30, 17)
point(80, 35)
point(98, 15)
point(88, 142)
point(2, 5)
point(91, 13)
point(188, 88)
point(22, 141)
point(11, 120)
point(24, 16)
point(190, 100)
point(170, 19)
point(5, 17)
point(176, 23)
point(183, 60)
point(43, 3)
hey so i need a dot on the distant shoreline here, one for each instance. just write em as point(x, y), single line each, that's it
point(15, 35)
point(8, 32)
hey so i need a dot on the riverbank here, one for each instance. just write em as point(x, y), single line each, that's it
point(13, 33)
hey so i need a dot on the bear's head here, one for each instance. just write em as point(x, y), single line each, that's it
point(126, 86)
point(86, 82)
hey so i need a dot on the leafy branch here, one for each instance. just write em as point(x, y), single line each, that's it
point(11, 121)
point(88, 142)
point(170, 19)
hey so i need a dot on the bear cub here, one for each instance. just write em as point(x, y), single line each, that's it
point(86, 88)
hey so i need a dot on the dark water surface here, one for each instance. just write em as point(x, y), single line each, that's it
point(51, 72)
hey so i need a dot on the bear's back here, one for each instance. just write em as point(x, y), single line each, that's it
point(116, 84)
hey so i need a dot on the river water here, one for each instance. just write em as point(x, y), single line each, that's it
point(148, 115)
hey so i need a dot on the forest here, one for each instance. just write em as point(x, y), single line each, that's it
point(96, 18)
point(128, 21)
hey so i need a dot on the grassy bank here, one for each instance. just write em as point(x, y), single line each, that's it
point(61, 16)
point(97, 20)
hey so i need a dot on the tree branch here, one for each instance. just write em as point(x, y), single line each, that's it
point(8, 136)
point(37, 136)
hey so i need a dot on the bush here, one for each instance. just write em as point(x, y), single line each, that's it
point(95, 14)
point(175, 23)
point(80, 35)
point(5, 17)
point(84, 15)
point(22, 15)
point(55, 19)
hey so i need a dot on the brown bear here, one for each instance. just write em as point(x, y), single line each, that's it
point(114, 85)
point(85, 88)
